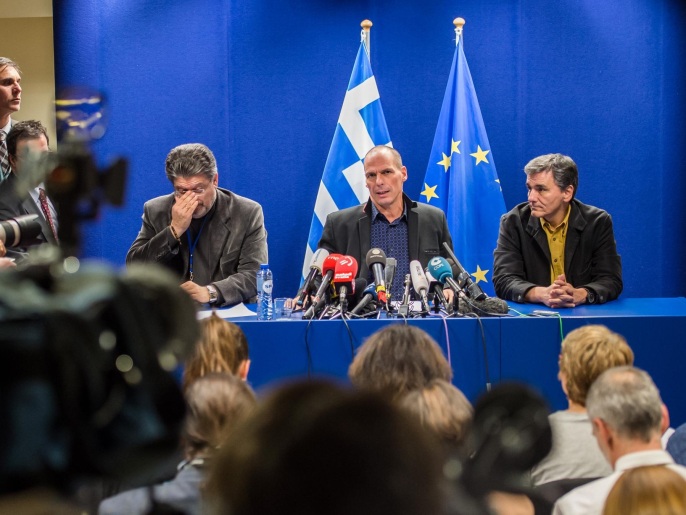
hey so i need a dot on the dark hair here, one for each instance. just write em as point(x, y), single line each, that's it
point(20, 131)
point(562, 167)
point(314, 448)
point(398, 359)
point(190, 160)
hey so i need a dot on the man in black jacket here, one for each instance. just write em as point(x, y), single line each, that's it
point(553, 249)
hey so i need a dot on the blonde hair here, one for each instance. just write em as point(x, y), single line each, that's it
point(221, 348)
point(216, 402)
point(443, 408)
point(646, 491)
point(586, 353)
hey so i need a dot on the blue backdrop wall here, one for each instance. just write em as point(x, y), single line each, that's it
point(261, 82)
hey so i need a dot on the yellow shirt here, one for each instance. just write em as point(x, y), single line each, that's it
point(556, 243)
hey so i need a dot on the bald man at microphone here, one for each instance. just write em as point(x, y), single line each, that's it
point(402, 228)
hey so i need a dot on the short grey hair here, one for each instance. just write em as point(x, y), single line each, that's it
point(190, 160)
point(395, 155)
point(6, 61)
point(563, 168)
point(628, 401)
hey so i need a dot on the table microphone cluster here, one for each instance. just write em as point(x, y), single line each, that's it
point(332, 290)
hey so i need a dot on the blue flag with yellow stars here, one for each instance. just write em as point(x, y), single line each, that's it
point(461, 178)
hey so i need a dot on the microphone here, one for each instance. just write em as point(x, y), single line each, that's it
point(391, 265)
point(490, 306)
point(344, 279)
point(404, 307)
point(315, 270)
point(437, 288)
point(419, 283)
point(328, 269)
point(376, 260)
point(441, 271)
point(368, 295)
point(472, 289)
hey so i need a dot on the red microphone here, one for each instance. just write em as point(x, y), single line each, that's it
point(328, 269)
point(344, 278)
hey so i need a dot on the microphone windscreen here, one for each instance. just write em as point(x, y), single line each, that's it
point(318, 259)
point(419, 281)
point(375, 256)
point(345, 270)
point(440, 269)
point(330, 263)
point(488, 306)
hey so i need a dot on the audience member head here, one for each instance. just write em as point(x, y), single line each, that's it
point(398, 359)
point(443, 408)
point(24, 137)
point(627, 413)
point(10, 89)
point(222, 347)
point(313, 448)
point(510, 434)
point(586, 353)
point(563, 169)
point(190, 160)
point(216, 403)
point(647, 491)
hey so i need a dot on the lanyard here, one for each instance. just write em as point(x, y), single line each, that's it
point(191, 248)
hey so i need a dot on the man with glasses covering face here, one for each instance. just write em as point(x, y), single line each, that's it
point(214, 239)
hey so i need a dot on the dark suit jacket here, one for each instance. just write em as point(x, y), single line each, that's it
point(239, 243)
point(13, 204)
point(522, 257)
point(348, 232)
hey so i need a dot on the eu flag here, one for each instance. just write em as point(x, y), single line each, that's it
point(361, 126)
point(461, 178)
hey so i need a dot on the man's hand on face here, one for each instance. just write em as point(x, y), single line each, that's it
point(198, 293)
point(182, 212)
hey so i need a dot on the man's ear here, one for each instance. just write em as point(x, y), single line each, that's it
point(665, 418)
point(568, 193)
point(243, 369)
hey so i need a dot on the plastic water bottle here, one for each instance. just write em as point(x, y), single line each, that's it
point(265, 283)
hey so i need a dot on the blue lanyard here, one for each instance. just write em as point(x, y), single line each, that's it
point(191, 248)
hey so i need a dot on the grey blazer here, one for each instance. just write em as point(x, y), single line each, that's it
point(239, 243)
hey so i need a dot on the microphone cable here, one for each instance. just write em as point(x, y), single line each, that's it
point(485, 348)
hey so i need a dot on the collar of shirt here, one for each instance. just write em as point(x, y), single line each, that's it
point(377, 215)
point(7, 127)
point(549, 229)
point(643, 458)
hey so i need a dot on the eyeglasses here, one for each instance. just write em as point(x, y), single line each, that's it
point(180, 192)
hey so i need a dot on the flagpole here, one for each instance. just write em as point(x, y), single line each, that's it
point(366, 37)
point(459, 23)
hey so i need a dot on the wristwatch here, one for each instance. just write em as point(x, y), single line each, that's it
point(213, 293)
point(590, 296)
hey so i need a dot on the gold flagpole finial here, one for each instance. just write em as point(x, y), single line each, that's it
point(459, 24)
point(366, 36)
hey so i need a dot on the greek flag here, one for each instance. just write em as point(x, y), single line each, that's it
point(461, 178)
point(361, 125)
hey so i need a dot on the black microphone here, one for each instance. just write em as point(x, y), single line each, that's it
point(419, 283)
point(437, 288)
point(376, 260)
point(315, 270)
point(368, 295)
point(490, 306)
point(473, 289)
point(404, 307)
point(391, 266)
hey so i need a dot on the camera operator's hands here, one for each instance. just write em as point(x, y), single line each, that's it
point(198, 293)
point(7, 263)
point(182, 212)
